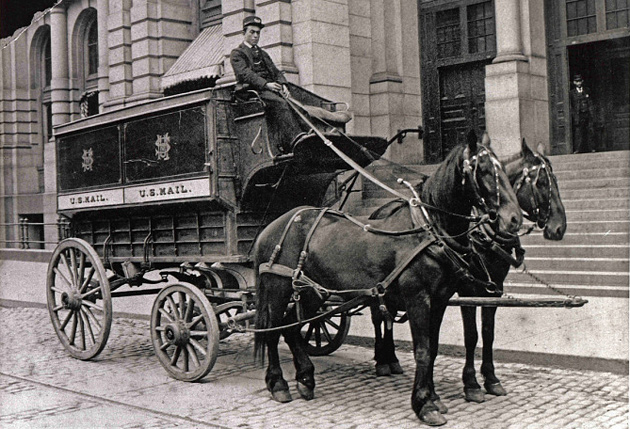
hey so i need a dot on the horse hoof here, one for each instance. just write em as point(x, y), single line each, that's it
point(474, 395)
point(305, 391)
point(383, 370)
point(495, 389)
point(395, 368)
point(282, 396)
point(443, 409)
point(433, 418)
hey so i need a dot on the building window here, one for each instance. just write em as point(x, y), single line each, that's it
point(448, 33)
point(48, 126)
point(581, 17)
point(481, 37)
point(47, 62)
point(91, 50)
point(617, 14)
point(211, 13)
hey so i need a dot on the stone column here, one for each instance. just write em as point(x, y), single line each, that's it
point(277, 36)
point(60, 87)
point(234, 11)
point(515, 82)
point(103, 51)
point(120, 75)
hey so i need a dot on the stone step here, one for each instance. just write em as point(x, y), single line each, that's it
point(603, 226)
point(588, 193)
point(579, 174)
point(604, 215)
point(563, 276)
point(574, 238)
point(590, 158)
point(513, 287)
point(609, 204)
point(573, 263)
point(594, 183)
point(551, 250)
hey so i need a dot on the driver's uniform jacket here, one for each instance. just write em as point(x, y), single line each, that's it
point(255, 73)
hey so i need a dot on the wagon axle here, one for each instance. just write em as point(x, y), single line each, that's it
point(72, 300)
point(177, 333)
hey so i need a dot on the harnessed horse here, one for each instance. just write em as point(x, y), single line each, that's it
point(409, 260)
point(535, 185)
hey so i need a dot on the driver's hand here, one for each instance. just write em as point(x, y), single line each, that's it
point(273, 86)
point(285, 91)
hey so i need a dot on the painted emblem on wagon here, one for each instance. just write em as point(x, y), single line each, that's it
point(162, 147)
point(88, 159)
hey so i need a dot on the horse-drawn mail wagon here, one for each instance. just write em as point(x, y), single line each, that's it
point(173, 193)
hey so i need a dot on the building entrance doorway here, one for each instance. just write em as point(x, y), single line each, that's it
point(604, 67)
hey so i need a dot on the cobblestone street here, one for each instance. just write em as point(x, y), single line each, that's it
point(126, 387)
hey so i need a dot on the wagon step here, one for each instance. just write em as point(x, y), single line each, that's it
point(568, 302)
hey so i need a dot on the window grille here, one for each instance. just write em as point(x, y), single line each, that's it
point(617, 14)
point(581, 17)
point(448, 33)
point(481, 33)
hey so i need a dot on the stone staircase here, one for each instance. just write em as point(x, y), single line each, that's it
point(593, 258)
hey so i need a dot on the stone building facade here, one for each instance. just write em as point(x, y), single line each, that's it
point(385, 58)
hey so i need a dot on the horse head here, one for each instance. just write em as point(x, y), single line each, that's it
point(488, 186)
point(537, 191)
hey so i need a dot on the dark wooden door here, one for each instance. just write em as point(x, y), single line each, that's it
point(462, 98)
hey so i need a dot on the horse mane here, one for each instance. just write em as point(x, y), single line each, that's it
point(438, 189)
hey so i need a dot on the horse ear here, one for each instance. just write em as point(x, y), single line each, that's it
point(541, 149)
point(485, 139)
point(525, 150)
point(471, 140)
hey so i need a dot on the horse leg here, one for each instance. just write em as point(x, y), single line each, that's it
point(436, 323)
point(277, 300)
point(390, 349)
point(382, 364)
point(304, 368)
point(491, 382)
point(472, 389)
point(421, 402)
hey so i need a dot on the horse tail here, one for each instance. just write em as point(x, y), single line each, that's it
point(262, 320)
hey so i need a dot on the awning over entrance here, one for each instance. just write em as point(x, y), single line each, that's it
point(203, 58)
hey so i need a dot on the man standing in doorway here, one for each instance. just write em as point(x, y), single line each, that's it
point(254, 69)
point(581, 116)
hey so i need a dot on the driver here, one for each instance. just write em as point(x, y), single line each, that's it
point(255, 69)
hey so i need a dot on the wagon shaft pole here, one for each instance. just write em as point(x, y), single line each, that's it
point(516, 302)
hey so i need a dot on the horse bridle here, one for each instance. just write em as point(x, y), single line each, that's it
point(526, 178)
point(470, 171)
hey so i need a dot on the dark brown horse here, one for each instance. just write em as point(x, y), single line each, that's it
point(416, 270)
point(535, 185)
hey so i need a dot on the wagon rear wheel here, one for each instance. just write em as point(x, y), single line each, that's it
point(327, 335)
point(79, 298)
point(223, 313)
point(184, 331)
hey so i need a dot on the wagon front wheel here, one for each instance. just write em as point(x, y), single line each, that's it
point(79, 298)
point(184, 331)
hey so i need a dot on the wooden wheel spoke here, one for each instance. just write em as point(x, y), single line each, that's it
point(91, 292)
point(166, 314)
point(198, 347)
point(92, 305)
point(94, 318)
point(182, 305)
point(88, 325)
point(189, 309)
point(198, 333)
point(65, 321)
point(171, 302)
point(175, 357)
point(333, 324)
point(63, 277)
point(326, 333)
point(73, 328)
point(186, 359)
point(309, 332)
point(82, 329)
point(81, 270)
point(87, 280)
point(318, 335)
point(74, 267)
point(194, 321)
point(165, 346)
point(193, 355)
point(159, 328)
point(59, 307)
point(64, 259)
point(56, 289)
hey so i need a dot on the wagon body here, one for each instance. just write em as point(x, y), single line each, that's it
point(182, 186)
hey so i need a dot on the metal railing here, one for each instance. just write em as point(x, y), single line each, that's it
point(22, 231)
